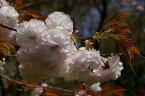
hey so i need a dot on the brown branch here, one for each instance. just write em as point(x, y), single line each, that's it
point(9, 55)
point(84, 38)
point(8, 27)
point(34, 86)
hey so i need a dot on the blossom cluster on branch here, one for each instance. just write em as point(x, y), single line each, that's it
point(46, 50)
point(8, 16)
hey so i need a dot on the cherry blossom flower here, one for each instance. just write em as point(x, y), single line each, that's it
point(42, 46)
point(3, 3)
point(59, 20)
point(96, 87)
point(9, 18)
point(46, 51)
point(30, 32)
point(110, 68)
point(79, 64)
point(89, 66)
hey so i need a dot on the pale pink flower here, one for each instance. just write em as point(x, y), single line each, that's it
point(79, 64)
point(59, 20)
point(30, 32)
point(88, 66)
point(42, 47)
point(112, 69)
point(9, 18)
point(96, 87)
point(46, 51)
point(48, 58)
point(3, 3)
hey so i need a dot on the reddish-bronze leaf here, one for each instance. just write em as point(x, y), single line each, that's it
point(129, 47)
point(82, 86)
point(50, 94)
point(135, 47)
point(30, 14)
point(120, 29)
point(19, 1)
point(53, 92)
point(18, 4)
point(7, 84)
point(106, 65)
point(126, 48)
point(88, 45)
point(131, 44)
point(115, 18)
point(125, 45)
point(6, 47)
point(112, 90)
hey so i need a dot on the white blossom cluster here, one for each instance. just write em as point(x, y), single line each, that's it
point(89, 66)
point(43, 46)
point(46, 50)
point(79, 64)
point(8, 17)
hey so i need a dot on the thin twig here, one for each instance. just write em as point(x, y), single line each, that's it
point(8, 27)
point(35, 86)
point(9, 55)
point(84, 38)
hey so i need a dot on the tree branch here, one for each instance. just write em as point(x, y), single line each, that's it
point(34, 86)
point(84, 38)
point(8, 27)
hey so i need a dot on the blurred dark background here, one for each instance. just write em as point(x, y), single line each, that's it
point(88, 16)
